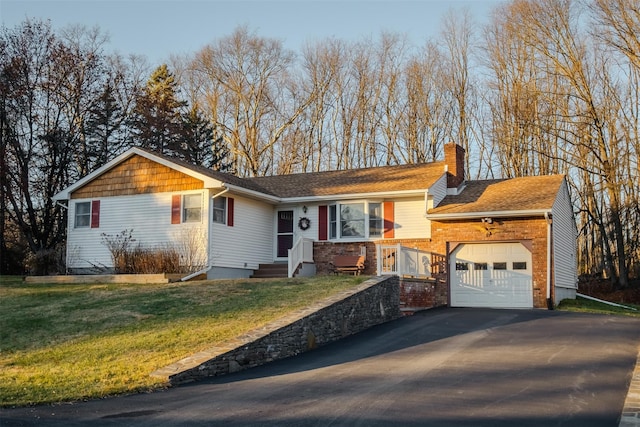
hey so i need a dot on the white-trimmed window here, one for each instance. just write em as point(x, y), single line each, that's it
point(192, 208)
point(83, 215)
point(376, 220)
point(356, 220)
point(220, 210)
point(352, 220)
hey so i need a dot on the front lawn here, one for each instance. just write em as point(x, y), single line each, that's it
point(584, 305)
point(63, 342)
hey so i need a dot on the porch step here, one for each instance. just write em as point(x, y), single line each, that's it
point(279, 269)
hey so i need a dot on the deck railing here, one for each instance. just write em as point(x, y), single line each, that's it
point(302, 251)
point(413, 262)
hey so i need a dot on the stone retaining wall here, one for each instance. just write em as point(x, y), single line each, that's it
point(373, 302)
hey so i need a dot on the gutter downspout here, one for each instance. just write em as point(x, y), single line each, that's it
point(549, 224)
point(207, 268)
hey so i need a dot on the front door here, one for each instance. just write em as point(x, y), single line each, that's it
point(285, 233)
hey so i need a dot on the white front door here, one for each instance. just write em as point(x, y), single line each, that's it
point(491, 275)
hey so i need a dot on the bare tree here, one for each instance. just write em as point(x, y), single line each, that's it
point(35, 136)
point(249, 96)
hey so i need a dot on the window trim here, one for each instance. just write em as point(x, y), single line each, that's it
point(224, 210)
point(86, 215)
point(334, 224)
point(185, 209)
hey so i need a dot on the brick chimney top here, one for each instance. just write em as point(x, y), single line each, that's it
point(454, 159)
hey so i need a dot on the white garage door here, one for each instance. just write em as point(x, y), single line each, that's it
point(491, 275)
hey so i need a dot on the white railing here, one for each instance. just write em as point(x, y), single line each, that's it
point(403, 261)
point(302, 251)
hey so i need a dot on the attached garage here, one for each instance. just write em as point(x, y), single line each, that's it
point(496, 275)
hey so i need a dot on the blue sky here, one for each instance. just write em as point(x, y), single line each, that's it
point(158, 28)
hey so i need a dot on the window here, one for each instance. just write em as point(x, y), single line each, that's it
point(191, 208)
point(520, 265)
point(333, 222)
point(499, 265)
point(359, 220)
point(376, 221)
point(83, 214)
point(220, 210)
point(462, 266)
point(480, 266)
point(352, 220)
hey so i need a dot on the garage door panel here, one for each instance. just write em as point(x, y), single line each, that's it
point(491, 275)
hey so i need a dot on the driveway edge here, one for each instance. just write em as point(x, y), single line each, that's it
point(631, 411)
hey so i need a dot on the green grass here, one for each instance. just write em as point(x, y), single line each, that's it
point(65, 342)
point(583, 305)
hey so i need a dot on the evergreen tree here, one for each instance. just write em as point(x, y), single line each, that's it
point(157, 122)
point(104, 128)
point(199, 146)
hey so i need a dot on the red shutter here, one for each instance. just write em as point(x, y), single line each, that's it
point(322, 222)
point(388, 220)
point(95, 214)
point(175, 209)
point(230, 211)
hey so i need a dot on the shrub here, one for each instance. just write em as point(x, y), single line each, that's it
point(47, 261)
point(130, 259)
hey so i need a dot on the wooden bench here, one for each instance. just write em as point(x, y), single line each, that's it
point(348, 264)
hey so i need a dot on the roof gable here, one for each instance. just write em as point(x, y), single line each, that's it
point(137, 175)
point(524, 194)
point(208, 180)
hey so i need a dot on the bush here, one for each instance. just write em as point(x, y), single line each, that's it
point(47, 261)
point(129, 259)
point(152, 260)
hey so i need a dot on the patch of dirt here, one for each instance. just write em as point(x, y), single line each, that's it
point(598, 287)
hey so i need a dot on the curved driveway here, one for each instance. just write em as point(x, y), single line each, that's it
point(442, 367)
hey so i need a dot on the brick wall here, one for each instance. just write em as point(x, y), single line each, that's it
point(417, 294)
point(531, 231)
point(373, 302)
point(324, 252)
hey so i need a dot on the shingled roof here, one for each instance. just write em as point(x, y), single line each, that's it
point(502, 195)
point(354, 181)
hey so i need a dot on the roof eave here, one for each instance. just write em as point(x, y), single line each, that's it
point(252, 193)
point(347, 196)
point(491, 214)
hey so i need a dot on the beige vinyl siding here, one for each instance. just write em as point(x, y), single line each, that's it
point(564, 244)
point(147, 215)
point(409, 218)
point(438, 191)
point(249, 242)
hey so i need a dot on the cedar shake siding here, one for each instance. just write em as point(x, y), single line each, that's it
point(137, 175)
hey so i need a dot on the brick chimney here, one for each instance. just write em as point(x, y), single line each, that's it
point(454, 159)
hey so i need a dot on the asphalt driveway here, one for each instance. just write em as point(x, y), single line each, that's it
point(442, 367)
